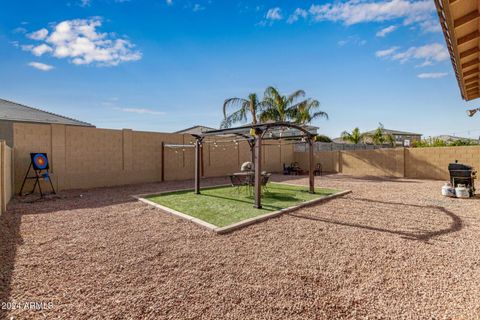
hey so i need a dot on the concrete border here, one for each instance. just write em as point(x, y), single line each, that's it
point(238, 225)
point(142, 195)
point(275, 214)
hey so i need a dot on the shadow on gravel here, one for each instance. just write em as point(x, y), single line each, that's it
point(455, 225)
point(9, 240)
point(344, 177)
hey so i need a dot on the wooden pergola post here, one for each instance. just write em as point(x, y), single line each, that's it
point(252, 150)
point(258, 169)
point(198, 164)
point(311, 176)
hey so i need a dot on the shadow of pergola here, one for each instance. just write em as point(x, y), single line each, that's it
point(456, 223)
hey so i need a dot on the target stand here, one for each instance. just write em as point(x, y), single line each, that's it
point(40, 166)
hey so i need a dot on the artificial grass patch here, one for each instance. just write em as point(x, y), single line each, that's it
point(223, 206)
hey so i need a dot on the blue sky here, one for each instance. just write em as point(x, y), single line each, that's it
point(161, 65)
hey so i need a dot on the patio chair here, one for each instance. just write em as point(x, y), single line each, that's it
point(318, 170)
point(295, 169)
point(264, 181)
point(240, 181)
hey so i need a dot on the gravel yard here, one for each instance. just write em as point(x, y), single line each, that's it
point(391, 249)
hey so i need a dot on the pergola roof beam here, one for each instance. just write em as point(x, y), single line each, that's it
point(244, 131)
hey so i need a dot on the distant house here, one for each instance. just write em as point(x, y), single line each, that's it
point(195, 130)
point(12, 112)
point(402, 138)
point(449, 138)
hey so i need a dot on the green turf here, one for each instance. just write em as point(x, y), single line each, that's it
point(223, 206)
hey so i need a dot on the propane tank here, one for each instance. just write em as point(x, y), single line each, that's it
point(448, 190)
point(462, 192)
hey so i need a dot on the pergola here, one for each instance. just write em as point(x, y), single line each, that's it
point(254, 134)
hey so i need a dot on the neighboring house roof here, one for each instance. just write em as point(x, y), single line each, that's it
point(339, 140)
point(195, 130)
point(449, 138)
point(396, 132)
point(12, 111)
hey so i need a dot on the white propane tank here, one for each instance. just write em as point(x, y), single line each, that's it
point(461, 191)
point(447, 190)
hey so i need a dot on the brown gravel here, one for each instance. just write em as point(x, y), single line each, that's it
point(391, 249)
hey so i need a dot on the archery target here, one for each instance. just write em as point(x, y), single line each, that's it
point(39, 161)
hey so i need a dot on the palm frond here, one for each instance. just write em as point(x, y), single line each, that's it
point(320, 114)
point(294, 96)
point(233, 103)
point(237, 116)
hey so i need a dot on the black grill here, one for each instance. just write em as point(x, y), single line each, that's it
point(462, 174)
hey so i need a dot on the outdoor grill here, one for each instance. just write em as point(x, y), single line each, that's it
point(462, 174)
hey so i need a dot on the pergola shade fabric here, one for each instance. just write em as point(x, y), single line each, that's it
point(460, 21)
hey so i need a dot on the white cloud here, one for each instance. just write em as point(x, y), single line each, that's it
point(19, 30)
point(431, 25)
point(41, 66)
point(354, 11)
point(421, 12)
point(430, 53)
point(386, 52)
point(39, 34)
point(85, 3)
point(141, 111)
point(434, 52)
point(297, 14)
point(382, 33)
point(432, 75)
point(197, 7)
point(41, 49)
point(352, 40)
point(80, 42)
point(274, 14)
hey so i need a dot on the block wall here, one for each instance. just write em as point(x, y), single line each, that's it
point(83, 157)
point(418, 163)
point(6, 177)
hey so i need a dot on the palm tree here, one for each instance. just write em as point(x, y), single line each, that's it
point(354, 137)
point(244, 108)
point(378, 136)
point(305, 112)
point(390, 139)
point(280, 108)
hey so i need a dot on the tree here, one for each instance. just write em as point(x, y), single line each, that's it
point(244, 108)
point(280, 108)
point(322, 138)
point(377, 136)
point(354, 137)
point(390, 139)
point(380, 137)
point(306, 112)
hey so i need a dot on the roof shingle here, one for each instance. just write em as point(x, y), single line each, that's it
point(12, 111)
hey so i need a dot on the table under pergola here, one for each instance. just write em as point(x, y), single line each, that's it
point(254, 134)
